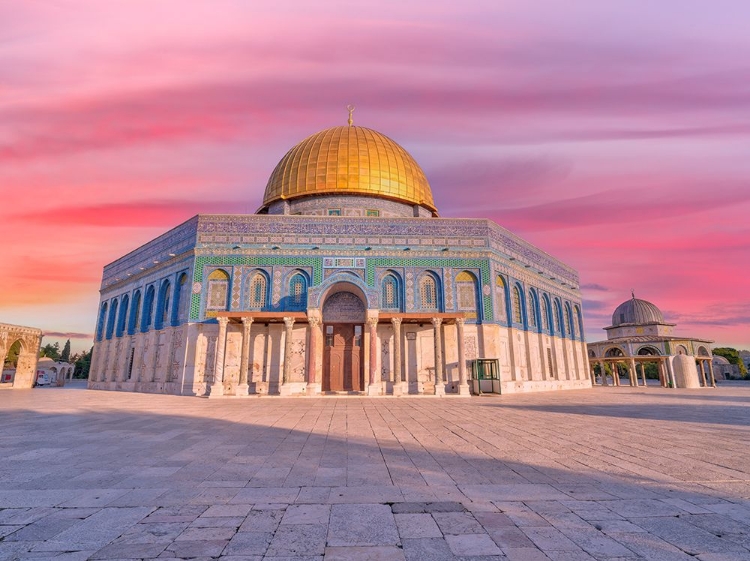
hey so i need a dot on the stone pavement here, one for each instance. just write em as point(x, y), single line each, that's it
point(607, 473)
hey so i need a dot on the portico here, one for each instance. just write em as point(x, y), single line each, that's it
point(349, 360)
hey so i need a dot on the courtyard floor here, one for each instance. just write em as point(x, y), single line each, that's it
point(608, 473)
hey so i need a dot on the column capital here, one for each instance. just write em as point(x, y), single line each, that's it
point(460, 321)
point(314, 321)
point(289, 322)
point(372, 321)
point(437, 322)
point(396, 321)
point(246, 321)
point(223, 321)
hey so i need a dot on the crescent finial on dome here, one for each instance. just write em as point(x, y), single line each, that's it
point(351, 109)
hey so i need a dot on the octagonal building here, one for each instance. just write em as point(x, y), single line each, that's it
point(346, 280)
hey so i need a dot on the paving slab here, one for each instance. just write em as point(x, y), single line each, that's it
point(607, 474)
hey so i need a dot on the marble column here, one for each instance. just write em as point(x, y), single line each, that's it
point(643, 374)
point(242, 387)
point(373, 387)
point(313, 386)
point(217, 388)
point(602, 367)
point(463, 385)
point(287, 369)
point(396, 322)
point(633, 373)
point(438, 332)
point(711, 373)
point(617, 374)
point(703, 373)
point(670, 375)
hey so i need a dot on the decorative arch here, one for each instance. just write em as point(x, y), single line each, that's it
point(681, 350)
point(218, 290)
point(569, 320)
point(135, 312)
point(100, 323)
point(298, 284)
point(501, 298)
point(390, 291)
point(648, 350)
point(112, 318)
point(532, 309)
point(557, 318)
point(344, 304)
point(546, 314)
point(703, 351)
point(429, 291)
point(148, 308)
point(162, 309)
point(258, 286)
point(466, 294)
point(592, 353)
point(614, 352)
point(579, 320)
point(316, 294)
point(181, 299)
point(517, 304)
point(122, 322)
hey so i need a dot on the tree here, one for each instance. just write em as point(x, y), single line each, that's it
point(65, 355)
point(83, 364)
point(11, 359)
point(51, 351)
point(733, 356)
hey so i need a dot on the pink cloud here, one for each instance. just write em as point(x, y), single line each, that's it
point(615, 138)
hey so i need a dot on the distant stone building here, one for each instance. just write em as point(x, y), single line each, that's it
point(25, 341)
point(639, 335)
point(725, 370)
point(55, 372)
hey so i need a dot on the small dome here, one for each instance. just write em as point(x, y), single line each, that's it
point(635, 311)
point(719, 360)
point(349, 160)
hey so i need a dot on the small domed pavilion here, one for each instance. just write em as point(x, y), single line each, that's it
point(639, 335)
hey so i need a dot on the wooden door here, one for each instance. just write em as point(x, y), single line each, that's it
point(342, 358)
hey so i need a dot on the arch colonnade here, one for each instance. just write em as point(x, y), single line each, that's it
point(636, 378)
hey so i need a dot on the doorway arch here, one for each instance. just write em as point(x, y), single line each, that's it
point(344, 312)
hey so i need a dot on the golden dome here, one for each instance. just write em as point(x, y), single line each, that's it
point(349, 160)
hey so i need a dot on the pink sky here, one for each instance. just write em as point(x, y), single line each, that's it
point(614, 135)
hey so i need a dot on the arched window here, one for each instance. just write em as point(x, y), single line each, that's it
point(148, 309)
point(122, 322)
point(466, 293)
point(545, 313)
point(181, 300)
point(428, 294)
point(501, 299)
point(389, 293)
point(557, 316)
point(100, 323)
point(517, 310)
point(531, 309)
point(569, 321)
point(578, 322)
point(258, 291)
point(162, 318)
point(218, 290)
point(111, 320)
point(298, 292)
point(135, 313)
